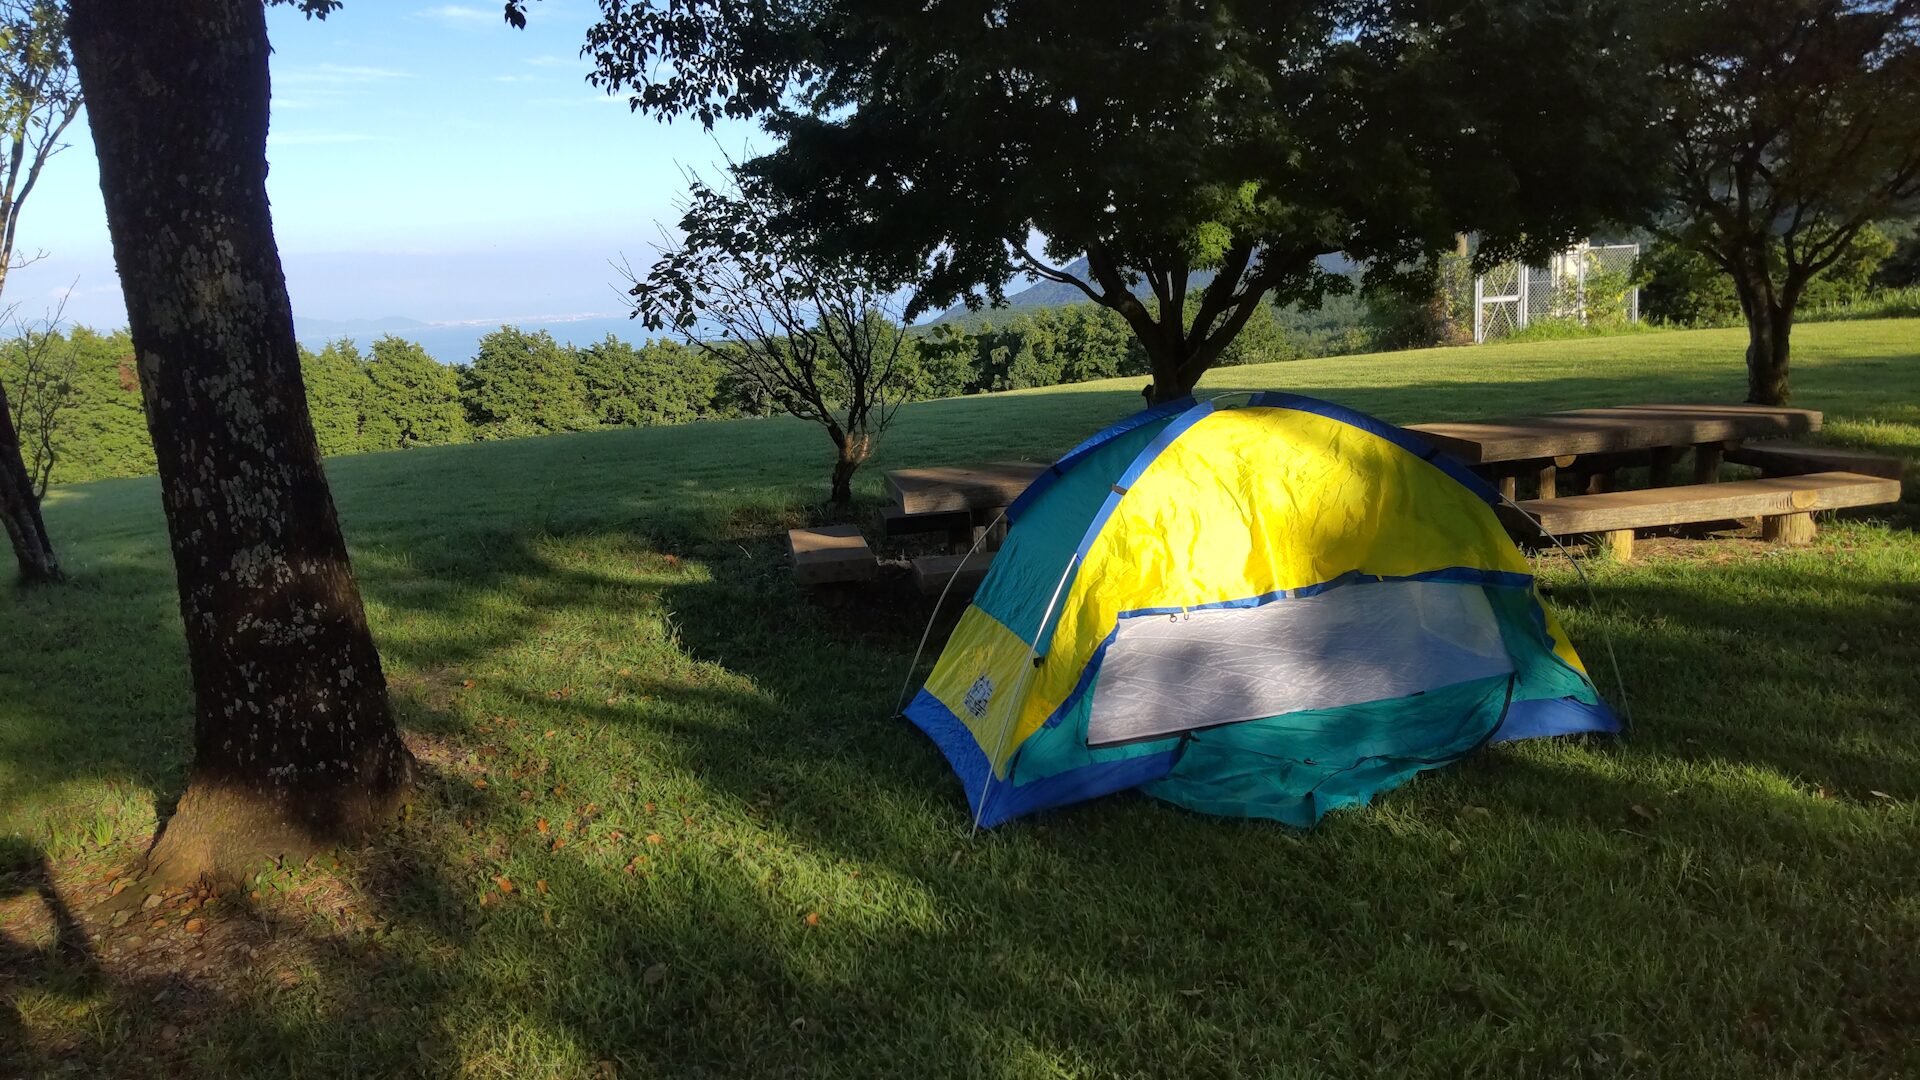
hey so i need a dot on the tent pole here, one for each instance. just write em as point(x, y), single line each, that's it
point(900, 708)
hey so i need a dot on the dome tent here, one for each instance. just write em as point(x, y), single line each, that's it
point(1265, 606)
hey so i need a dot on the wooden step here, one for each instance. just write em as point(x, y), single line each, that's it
point(932, 572)
point(828, 553)
point(1709, 502)
point(1794, 459)
point(1785, 503)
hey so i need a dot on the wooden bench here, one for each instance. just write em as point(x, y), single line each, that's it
point(1785, 505)
point(1796, 459)
point(829, 553)
point(932, 572)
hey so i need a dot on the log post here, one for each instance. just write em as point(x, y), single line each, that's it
point(1706, 463)
point(1660, 466)
point(1616, 542)
point(1789, 530)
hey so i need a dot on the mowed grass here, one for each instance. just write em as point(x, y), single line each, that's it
point(727, 858)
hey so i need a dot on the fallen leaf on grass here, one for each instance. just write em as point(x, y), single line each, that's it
point(813, 918)
point(542, 826)
point(195, 926)
point(654, 838)
point(1643, 813)
point(541, 885)
point(654, 975)
point(502, 881)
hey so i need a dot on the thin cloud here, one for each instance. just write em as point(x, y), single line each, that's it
point(338, 75)
point(460, 13)
point(321, 138)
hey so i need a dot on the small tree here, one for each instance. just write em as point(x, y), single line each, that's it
point(336, 380)
point(660, 382)
point(523, 384)
point(36, 376)
point(39, 96)
point(815, 336)
point(1794, 124)
point(412, 399)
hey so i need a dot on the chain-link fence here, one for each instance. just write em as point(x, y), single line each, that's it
point(1587, 284)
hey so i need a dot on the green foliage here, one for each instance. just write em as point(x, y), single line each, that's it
point(1851, 277)
point(940, 362)
point(525, 384)
point(101, 428)
point(660, 382)
point(337, 390)
point(1901, 267)
point(1423, 306)
point(1682, 287)
point(412, 399)
point(1052, 345)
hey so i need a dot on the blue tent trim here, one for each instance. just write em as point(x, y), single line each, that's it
point(1004, 801)
point(1546, 717)
point(1072, 457)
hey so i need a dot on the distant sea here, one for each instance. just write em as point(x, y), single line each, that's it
point(456, 343)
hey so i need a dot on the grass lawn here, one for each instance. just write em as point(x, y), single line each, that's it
point(726, 858)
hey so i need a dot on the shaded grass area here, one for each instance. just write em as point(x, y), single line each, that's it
point(669, 827)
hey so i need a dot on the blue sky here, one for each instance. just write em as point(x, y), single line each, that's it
point(427, 161)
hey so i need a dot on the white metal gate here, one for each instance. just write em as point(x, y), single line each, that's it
point(1585, 283)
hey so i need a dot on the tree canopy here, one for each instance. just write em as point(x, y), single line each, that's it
point(1245, 137)
point(1793, 126)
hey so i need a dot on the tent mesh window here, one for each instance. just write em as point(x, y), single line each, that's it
point(1168, 673)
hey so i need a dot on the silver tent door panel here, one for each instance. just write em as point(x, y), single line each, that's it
point(1357, 643)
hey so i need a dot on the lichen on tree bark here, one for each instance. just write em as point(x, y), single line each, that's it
point(294, 742)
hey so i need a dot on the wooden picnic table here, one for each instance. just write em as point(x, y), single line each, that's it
point(1609, 437)
point(947, 488)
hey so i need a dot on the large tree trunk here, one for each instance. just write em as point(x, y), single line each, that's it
point(1769, 333)
point(20, 507)
point(294, 744)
